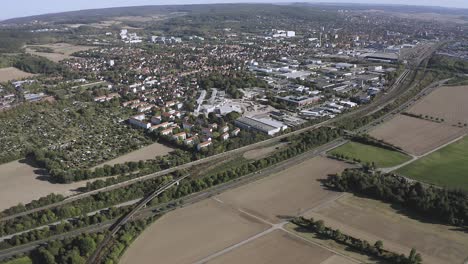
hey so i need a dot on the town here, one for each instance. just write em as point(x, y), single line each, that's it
point(235, 133)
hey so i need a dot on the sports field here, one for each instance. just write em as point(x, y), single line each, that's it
point(445, 167)
point(383, 158)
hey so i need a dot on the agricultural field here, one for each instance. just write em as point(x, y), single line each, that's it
point(279, 247)
point(373, 220)
point(383, 158)
point(447, 166)
point(448, 103)
point(192, 233)
point(22, 183)
point(145, 153)
point(415, 135)
point(56, 52)
point(11, 73)
point(286, 193)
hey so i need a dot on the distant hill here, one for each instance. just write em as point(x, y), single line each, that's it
point(97, 15)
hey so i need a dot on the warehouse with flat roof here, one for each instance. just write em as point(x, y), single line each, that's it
point(263, 125)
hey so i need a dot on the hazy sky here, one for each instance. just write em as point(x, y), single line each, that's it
point(19, 8)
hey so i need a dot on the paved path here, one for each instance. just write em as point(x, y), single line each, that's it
point(415, 158)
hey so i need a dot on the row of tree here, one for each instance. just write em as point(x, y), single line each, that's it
point(63, 227)
point(362, 246)
point(444, 205)
point(81, 207)
point(298, 144)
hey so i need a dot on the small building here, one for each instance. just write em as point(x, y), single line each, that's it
point(207, 131)
point(224, 129)
point(235, 132)
point(225, 136)
point(187, 125)
point(190, 141)
point(181, 136)
point(139, 123)
point(203, 145)
point(166, 132)
point(156, 120)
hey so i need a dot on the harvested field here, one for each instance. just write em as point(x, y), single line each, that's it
point(262, 152)
point(448, 103)
point(11, 73)
point(286, 193)
point(414, 135)
point(447, 166)
point(372, 220)
point(192, 233)
point(145, 153)
point(21, 183)
point(277, 247)
point(62, 51)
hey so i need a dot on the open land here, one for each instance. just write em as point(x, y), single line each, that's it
point(414, 135)
point(278, 247)
point(145, 153)
point(383, 158)
point(11, 73)
point(448, 103)
point(191, 233)
point(286, 193)
point(262, 152)
point(62, 51)
point(446, 167)
point(205, 228)
point(22, 183)
point(373, 220)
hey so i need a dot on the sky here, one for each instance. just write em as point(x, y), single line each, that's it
point(21, 8)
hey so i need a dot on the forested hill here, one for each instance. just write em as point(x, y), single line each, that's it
point(97, 15)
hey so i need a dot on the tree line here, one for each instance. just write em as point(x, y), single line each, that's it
point(81, 207)
point(441, 204)
point(362, 246)
point(63, 227)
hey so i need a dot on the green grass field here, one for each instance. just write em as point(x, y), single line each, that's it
point(22, 260)
point(445, 167)
point(383, 158)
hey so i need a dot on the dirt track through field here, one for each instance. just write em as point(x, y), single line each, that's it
point(277, 247)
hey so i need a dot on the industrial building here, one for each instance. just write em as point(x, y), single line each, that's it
point(263, 125)
point(298, 101)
